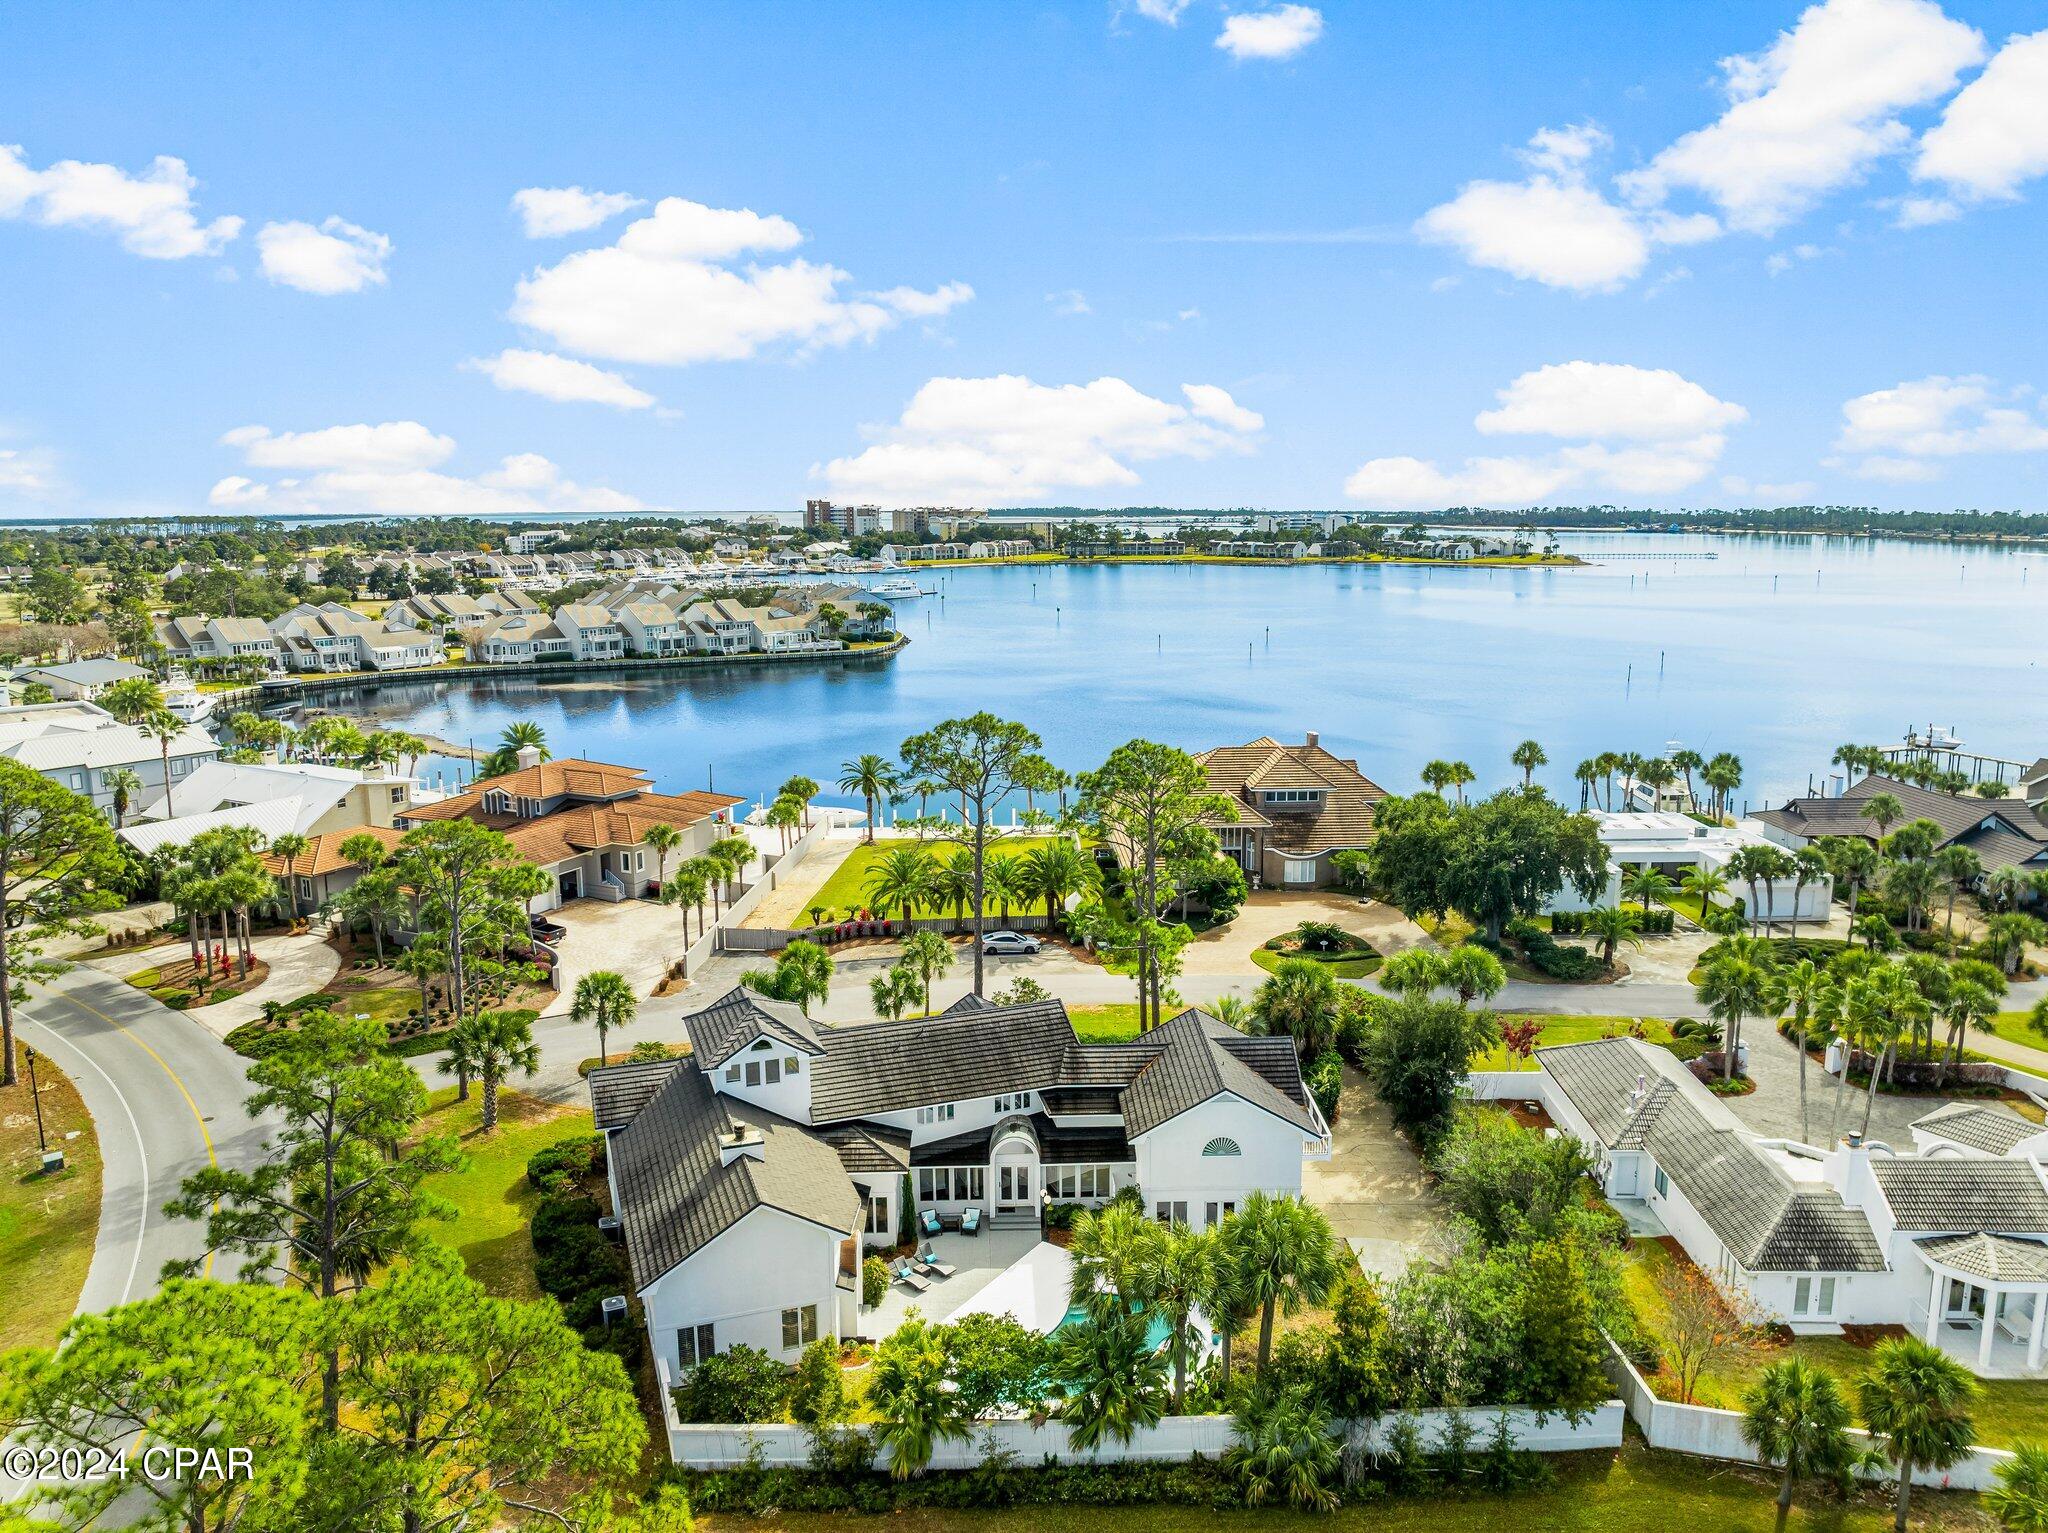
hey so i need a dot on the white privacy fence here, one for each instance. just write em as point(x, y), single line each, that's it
point(1173, 1440)
point(1708, 1433)
point(776, 867)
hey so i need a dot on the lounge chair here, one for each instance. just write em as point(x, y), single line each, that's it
point(927, 1222)
point(912, 1279)
point(970, 1220)
point(928, 1261)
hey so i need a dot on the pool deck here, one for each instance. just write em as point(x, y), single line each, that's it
point(981, 1259)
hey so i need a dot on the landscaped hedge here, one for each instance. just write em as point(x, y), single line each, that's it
point(574, 1261)
point(1657, 922)
point(1553, 958)
point(1325, 1079)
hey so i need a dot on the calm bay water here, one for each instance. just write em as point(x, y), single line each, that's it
point(1778, 649)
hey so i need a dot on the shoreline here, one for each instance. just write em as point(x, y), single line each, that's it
point(1038, 561)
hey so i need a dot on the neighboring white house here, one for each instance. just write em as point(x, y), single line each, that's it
point(1671, 843)
point(592, 632)
point(79, 681)
point(82, 746)
point(750, 1177)
point(653, 628)
point(272, 798)
point(1951, 1243)
point(517, 637)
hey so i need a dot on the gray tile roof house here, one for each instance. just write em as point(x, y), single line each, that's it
point(1952, 1195)
point(2000, 834)
point(741, 1015)
point(1995, 1258)
point(1981, 1126)
point(1636, 1096)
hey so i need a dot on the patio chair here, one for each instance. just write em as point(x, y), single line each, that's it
point(915, 1281)
point(970, 1220)
point(927, 1222)
point(928, 1261)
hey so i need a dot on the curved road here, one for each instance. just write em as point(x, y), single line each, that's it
point(166, 1098)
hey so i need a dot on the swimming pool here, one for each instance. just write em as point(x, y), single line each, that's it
point(1155, 1334)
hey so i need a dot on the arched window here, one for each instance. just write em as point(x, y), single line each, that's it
point(1221, 1147)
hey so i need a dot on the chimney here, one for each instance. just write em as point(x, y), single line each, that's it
point(1314, 740)
point(742, 1139)
point(1850, 1172)
point(527, 756)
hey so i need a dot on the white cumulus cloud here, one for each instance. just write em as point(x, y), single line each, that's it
point(668, 292)
point(394, 470)
point(1167, 11)
point(1628, 430)
point(550, 211)
point(337, 257)
point(151, 214)
point(1813, 111)
point(1901, 431)
point(1993, 137)
point(1278, 32)
point(1007, 438)
point(1549, 229)
point(559, 378)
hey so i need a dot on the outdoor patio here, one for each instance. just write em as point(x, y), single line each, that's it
point(977, 1259)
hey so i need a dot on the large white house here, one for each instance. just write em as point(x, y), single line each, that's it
point(1949, 1240)
point(1672, 843)
point(83, 747)
point(750, 1177)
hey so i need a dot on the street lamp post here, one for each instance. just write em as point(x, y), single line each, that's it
point(53, 1160)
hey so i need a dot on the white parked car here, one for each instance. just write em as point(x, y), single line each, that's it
point(996, 944)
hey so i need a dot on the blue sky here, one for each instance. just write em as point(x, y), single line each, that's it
point(1171, 253)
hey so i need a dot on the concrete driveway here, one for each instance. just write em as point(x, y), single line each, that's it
point(636, 938)
point(1372, 1188)
point(1270, 914)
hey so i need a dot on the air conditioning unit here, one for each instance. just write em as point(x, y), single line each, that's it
point(608, 1225)
point(613, 1308)
point(1837, 1057)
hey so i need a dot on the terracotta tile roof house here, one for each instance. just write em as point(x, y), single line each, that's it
point(1297, 806)
point(751, 1176)
point(321, 871)
point(583, 821)
point(2002, 832)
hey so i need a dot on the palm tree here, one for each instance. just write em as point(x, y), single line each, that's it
point(1631, 764)
point(1473, 974)
point(489, 1046)
point(1437, 776)
point(894, 991)
point(874, 778)
point(290, 846)
point(2006, 936)
point(1856, 864)
point(904, 879)
point(1724, 775)
point(131, 699)
point(1809, 866)
point(803, 790)
point(1956, 866)
point(686, 890)
point(1414, 972)
point(804, 974)
point(1970, 1004)
point(519, 736)
point(1002, 884)
point(914, 1399)
point(1688, 762)
point(1110, 1378)
point(1299, 1001)
point(953, 883)
point(1282, 1442)
point(784, 815)
point(1643, 883)
point(1804, 986)
point(1916, 1402)
point(1881, 1006)
point(1914, 885)
point(1178, 1273)
point(375, 899)
point(1883, 810)
point(1529, 755)
point(125, 785)
point(1055, 871)
point(162, 726)
point(927, 955)
point(1112, 1253)
point(2020, 1499)
point(663, 838)
point(1284, 1255)
point(1585, 774)
point(1739, 982)
point(1657, 775)
point(1704, 884)
point(604, 999)
point(1613, 925)
point(1795, 1417)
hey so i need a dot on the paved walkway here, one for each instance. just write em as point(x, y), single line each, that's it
point(298, 966)
point(1372, 1188)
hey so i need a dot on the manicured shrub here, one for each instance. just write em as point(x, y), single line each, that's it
point(561, 1166)
point(874, 1282)
point(739, 1384)
point(1325, 1079)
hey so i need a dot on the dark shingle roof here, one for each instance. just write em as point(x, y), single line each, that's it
point(1195, 1058)
point(1953, 1194)
point(737, 1017)
point(2000, 837)
point(866, 1150)
point(1636, 1097)
point(674, 1195)
point(877, 1067)
point(1994, 1130)
point(1999, 1258)
point(1056, 1146)
point(618, 1092)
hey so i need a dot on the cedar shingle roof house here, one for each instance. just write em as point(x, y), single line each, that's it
point(1949, 1240)
point(750, 1177)
point(583, 822)
point(1297, 806)
point(2002, 832)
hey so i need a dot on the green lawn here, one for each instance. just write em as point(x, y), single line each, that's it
point(1343, 968)
point(1114, 1023)
point(846, 889)
point(1628, 1491)
point(48, 1224)
point(1568, 1029)
point(493, 1201)
point(2007, 1411)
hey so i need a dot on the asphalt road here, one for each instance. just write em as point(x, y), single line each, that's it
point(166, 1098)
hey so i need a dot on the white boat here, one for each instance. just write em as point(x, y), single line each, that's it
point(185, 700)
point(900, 588)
